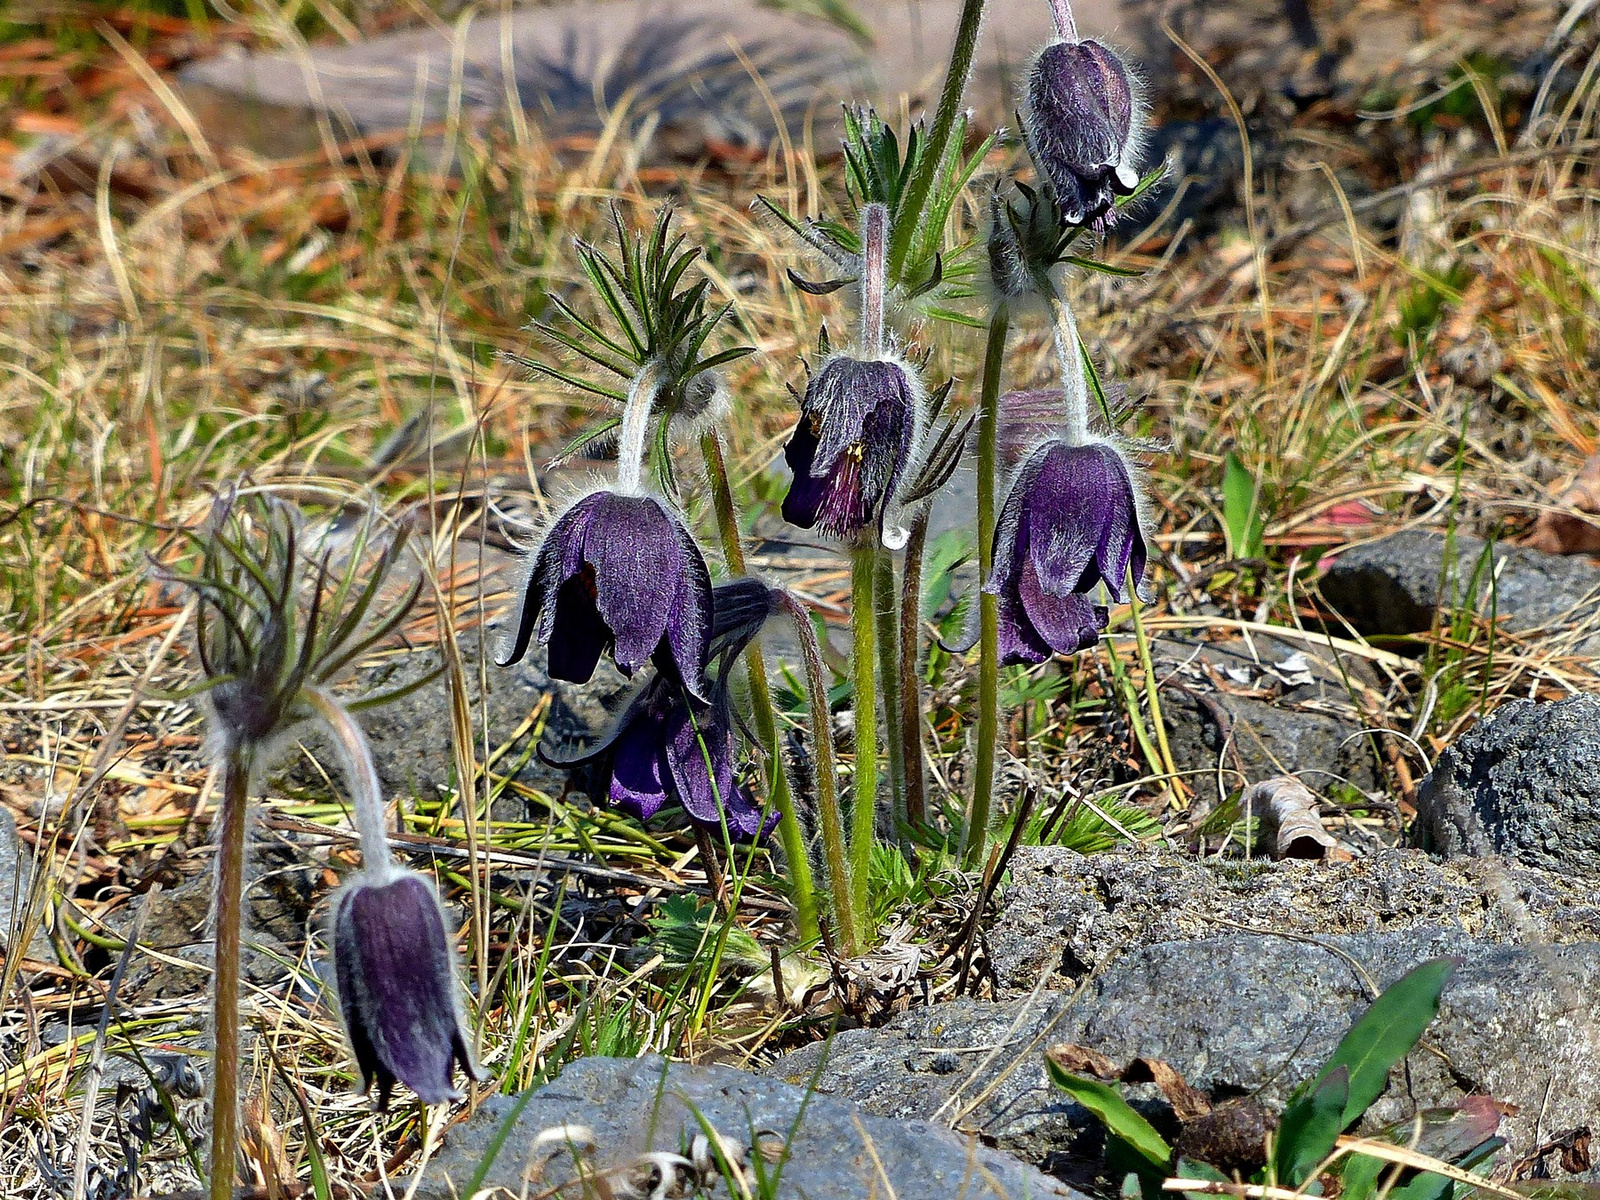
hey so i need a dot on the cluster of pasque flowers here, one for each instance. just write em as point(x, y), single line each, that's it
point(1072, 519)
point(620, 575)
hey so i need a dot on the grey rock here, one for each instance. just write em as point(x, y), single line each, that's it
point(1393, 586)
point(284, 885)
point(1235, 707)
point(630, 1106)
point(1524, 783)
point(1063, 912)
point(16, 880)
point(1237, 1014)
point(692, 88)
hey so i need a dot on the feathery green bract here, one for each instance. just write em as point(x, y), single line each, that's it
point(258, 651)
point(879, 165)
point(657, 321)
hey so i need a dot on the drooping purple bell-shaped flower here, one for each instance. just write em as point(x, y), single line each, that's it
point(1080, 127)
point(858, 419)
point(618, 574)
point(1070, 521)
point(655, 757)
point(397, 986)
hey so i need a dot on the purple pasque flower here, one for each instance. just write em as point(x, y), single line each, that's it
point(1070, 521)
point(858, 420)
point(618, 574)
point(397, 986)
point(1080, 128)
point(655, 754)
point(669, 749)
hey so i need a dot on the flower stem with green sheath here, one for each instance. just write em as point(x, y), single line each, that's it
point(886, 607)
point(801, 883)
point(988, 604)
point(864, 661)
point(830, 820)
point(225, 1066)
point(911, 675)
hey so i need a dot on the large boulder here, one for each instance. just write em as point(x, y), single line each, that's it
point(1240, 1014)
point(612, 1111)
point(1523, 783)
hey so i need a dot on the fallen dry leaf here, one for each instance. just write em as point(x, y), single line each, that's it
point(1188, 1101)
point(1572, 532)
point(1289, 819)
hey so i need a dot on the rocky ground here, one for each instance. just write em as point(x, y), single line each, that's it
point(1405, 640)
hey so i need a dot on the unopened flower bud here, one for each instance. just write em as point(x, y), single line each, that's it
point(1080, 128)
point(397, 987)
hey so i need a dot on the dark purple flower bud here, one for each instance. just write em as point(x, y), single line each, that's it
point(1080, 127)
point(397, 987)
point(858, 419)
point(1070, 521)
point(620, 574)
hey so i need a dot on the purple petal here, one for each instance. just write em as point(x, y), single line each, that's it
point(690, 618)
point(1066, 511)
point(583, 635)
point(1066, 623)
point(638, 773)
point(637, 557)
point(1019, 641)
point(745, 819)
point(396, 978)
point(806, 492)
point(701, 791)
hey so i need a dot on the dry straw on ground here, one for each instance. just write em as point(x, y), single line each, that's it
point(175, 316)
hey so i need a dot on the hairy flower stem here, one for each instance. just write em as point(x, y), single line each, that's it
point(829, 818)
point(802, 886)
point(635, 430)
point(1074, 383)
point(225, 982)
point(988, 604)
point(916, 805)
point(886, 608)
point(366, 795)
point(1066, 26)
point(944, 118)
point(864, 804)
point(874, 276)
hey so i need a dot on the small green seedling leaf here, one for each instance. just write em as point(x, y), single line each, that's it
point(1188, 1168)
point(1310, 1127)
point(1108, 1106)
point(1359, 1177)
point(1241, 509)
